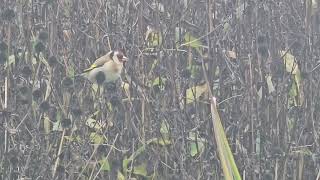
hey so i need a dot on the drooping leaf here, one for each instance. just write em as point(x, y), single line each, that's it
point(229, 167)
point(104, 163)
point(97, 138)
point(289, 62)
point(140, 169)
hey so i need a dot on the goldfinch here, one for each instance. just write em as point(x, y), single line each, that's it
point(106, 68)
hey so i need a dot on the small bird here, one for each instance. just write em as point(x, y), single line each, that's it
point(107, 68)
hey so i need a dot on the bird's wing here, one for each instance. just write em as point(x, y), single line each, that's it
point(99, 62)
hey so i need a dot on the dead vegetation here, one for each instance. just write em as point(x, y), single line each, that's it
point(262, 63)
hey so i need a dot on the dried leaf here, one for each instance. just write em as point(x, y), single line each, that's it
point(289, 62)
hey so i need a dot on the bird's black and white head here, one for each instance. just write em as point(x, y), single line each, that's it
point(118, 57)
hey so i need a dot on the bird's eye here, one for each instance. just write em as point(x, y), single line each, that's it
point(120, 56)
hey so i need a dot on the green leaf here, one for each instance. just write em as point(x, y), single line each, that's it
point(140, 170)
point(229, 167)
point(120, 176)
point(196, 144)
point(192, 41)
point(96, 138)
point(125, 163)
point(104, 163)
point(195, 92)
point(193, 149)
